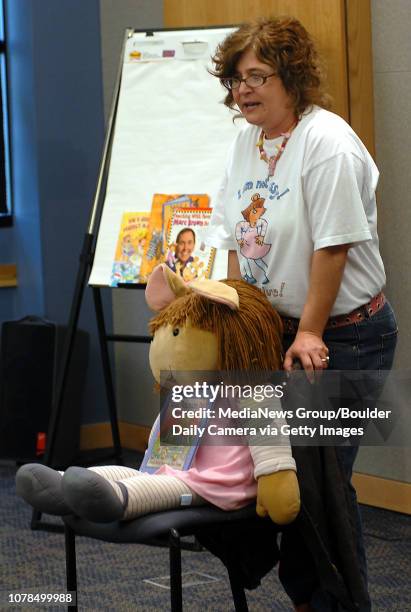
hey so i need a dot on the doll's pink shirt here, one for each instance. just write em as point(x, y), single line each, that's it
point(223, 475)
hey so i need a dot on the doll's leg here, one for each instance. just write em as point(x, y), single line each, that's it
point(95, 498)
point(114, 472)
point(41, 486)
point(155, 492)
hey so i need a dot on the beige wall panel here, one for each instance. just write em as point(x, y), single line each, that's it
point(325, 20)
point(360, 75)
point(382, 493)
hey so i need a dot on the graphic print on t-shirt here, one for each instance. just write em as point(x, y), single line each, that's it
point(250, 233)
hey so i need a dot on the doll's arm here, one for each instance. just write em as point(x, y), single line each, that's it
point(278, 493)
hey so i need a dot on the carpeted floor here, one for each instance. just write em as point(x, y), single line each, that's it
point(112, 577)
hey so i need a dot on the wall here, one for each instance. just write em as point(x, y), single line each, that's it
point(57, 135)
point(21, 243)
point(391, 23)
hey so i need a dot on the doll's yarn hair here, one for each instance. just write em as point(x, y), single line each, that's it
point(249, 339)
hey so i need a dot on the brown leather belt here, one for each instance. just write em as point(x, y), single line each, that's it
point(359, 314)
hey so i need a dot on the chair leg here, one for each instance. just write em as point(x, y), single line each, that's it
point(71, 571)
point(239, 596)
point(176, 591)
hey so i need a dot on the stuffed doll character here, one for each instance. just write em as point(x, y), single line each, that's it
point(206, 325)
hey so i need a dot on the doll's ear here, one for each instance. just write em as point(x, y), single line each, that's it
point(164, 286)
point(216, 292)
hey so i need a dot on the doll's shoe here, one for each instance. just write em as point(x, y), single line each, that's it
point(91, 496)
point(40, 486)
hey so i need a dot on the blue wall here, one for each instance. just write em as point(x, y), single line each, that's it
point(57, 137)
point(21, 244)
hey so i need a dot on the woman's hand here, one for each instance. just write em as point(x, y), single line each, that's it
point(310, 350)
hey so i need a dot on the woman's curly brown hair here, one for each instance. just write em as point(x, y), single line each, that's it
point(285, 45)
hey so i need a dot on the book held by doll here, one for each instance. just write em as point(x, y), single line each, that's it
point(168, 445)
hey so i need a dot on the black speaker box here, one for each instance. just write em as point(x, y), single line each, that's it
point(31, 352)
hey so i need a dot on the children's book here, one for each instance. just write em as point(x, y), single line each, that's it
point(130, 248)
point(160, 222)
point(191, 201)
point(174, 441)
point(187, 254)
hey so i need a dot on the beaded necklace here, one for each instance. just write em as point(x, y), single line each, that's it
point(272, 161)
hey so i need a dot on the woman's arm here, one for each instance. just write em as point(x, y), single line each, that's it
point(233, 268)
point(327, 267)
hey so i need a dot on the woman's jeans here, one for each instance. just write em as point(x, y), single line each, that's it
point(367, 345)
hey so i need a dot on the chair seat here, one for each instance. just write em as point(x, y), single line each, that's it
point(157, 525)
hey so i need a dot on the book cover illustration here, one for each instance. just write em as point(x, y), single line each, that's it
point(160, 220)
point(187, 254)
point(191, 201)
point(168, 445)
point(130, 248)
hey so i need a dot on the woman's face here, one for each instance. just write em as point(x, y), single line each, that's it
point(268, 106)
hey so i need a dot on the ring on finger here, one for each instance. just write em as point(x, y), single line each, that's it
point(325, 359)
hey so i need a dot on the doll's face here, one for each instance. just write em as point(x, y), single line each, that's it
point(181, 350)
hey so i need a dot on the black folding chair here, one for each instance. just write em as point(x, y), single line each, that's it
point(205, 523)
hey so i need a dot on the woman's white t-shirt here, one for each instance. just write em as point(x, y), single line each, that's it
point(322, 194)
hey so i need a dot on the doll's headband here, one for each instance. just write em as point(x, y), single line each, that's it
point(164, 286)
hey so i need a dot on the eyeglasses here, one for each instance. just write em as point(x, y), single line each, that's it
point(253, 81)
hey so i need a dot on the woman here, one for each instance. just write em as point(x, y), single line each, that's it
point(324, 272)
